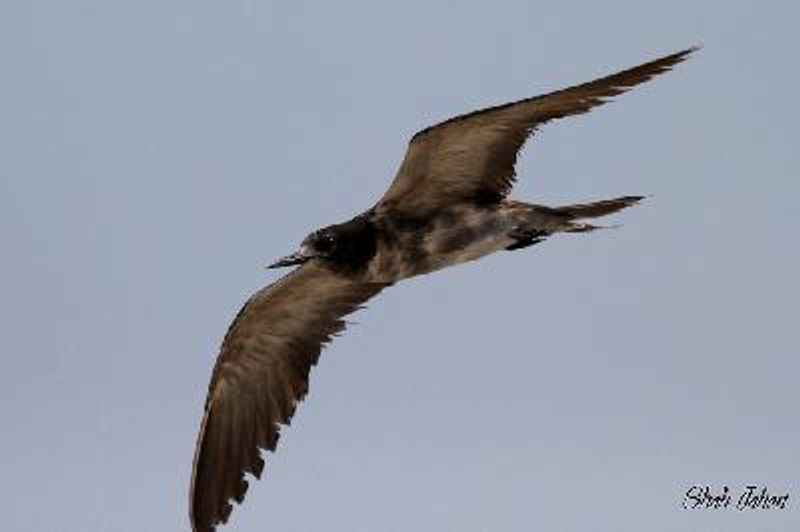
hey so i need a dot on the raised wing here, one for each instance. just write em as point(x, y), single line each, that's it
point(471, 157)
point(260, 375)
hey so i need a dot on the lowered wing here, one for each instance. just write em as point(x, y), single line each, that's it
point(259, 377)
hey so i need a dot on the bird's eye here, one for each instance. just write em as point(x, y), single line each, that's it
point(325, 242)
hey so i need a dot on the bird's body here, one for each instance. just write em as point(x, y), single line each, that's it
point(447, 205)
point(459, 233)
point(406, 247)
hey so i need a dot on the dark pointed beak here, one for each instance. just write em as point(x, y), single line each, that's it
point(291, 260)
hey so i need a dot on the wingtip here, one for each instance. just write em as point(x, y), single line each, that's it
point(667, 62)
point(686, 53)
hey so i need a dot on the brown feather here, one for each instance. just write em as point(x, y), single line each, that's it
point(472, 157)
point(260, 375)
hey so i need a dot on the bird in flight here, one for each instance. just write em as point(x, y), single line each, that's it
point(448, 204)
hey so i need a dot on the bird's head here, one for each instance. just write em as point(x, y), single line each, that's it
point(320, 244)
point(350, 244)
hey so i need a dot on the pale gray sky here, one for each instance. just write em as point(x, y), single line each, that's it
point(154, 155)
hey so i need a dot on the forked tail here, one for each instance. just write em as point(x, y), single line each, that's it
point(537, 222)
point(580, 211)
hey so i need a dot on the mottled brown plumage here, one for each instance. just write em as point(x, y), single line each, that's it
point(447, 205)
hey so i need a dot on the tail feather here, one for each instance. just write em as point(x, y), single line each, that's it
point(537, 222)
point(597, 208)
point(576, 227)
